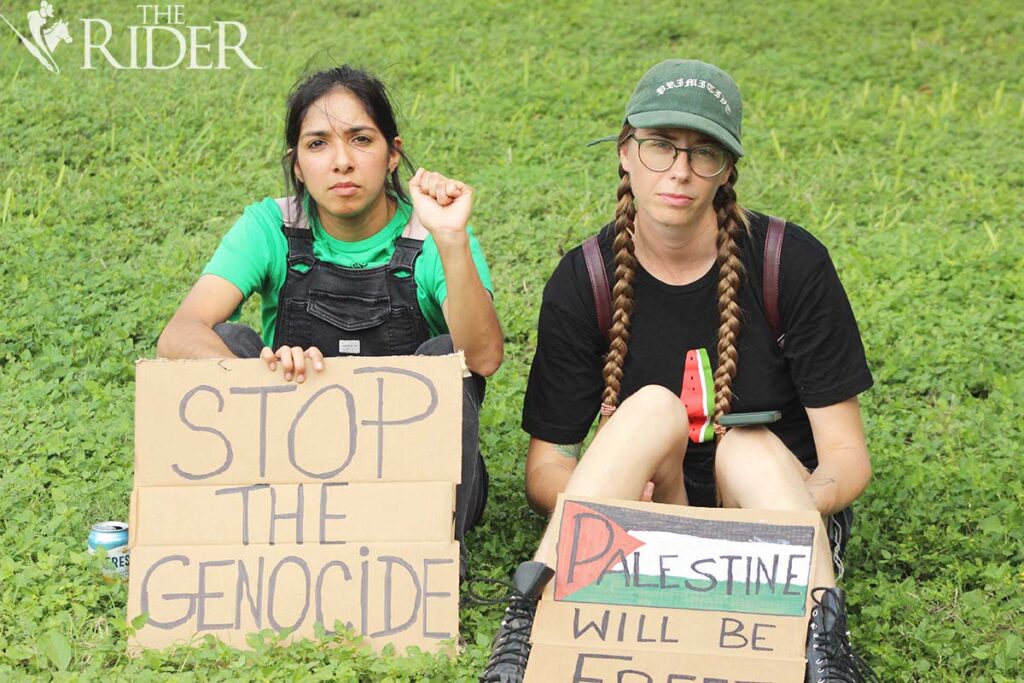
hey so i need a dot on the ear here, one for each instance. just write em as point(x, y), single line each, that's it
point(723, 177)
point(395, 153)
point(624, 159)
point(296, 168)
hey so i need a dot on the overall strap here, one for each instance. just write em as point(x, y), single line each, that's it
point(408, 245)
point(404, 256)
point(772, 262)
point(295, 227)
point(599, 284)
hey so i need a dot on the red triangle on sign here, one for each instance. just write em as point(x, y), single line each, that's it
point(588, 542)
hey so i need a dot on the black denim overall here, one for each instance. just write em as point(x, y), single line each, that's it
point(333, 308)
point(348, 311)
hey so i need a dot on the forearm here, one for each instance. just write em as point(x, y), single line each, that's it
point(190, 339)
point(472, 320)
point(844, 467)
point(833, 487)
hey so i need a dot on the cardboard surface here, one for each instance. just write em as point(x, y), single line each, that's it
point(406, 593)
point(396, 418)
point(264, 504)
point(665, 592)
point(653, 629)
point(330, 513)
point(599, 665)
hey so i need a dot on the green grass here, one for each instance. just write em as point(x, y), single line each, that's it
point(892, 130)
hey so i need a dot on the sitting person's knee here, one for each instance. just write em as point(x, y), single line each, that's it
point(657, 402)
point(745, 451)
point(241, 340)
point(436, 346)
point(655, 407)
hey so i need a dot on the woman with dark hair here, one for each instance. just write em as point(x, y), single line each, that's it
point(351, 264)
point(686, 340)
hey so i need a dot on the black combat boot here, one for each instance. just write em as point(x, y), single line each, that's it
point(830, 659)
point(511, 649)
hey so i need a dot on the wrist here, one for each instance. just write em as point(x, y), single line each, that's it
point(452, 245)
point(450, 237)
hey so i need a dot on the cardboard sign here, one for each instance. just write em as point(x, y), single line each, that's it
point(260, 503)
point(666, 592)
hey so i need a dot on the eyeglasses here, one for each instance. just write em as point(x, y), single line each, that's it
point(707, 161)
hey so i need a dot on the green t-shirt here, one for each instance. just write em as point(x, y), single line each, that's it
point(253, 256)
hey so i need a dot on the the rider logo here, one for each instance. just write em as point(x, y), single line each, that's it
point(42, 40)
point(164, 40)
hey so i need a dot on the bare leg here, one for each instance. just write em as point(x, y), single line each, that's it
point(754, 469)
point(645, 440)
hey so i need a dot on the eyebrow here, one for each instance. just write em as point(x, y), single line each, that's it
point(324, 133)
point(702, 139)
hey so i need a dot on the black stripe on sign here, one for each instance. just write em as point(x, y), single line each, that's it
point(745, 532)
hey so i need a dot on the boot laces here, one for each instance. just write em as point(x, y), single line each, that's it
point(511, 649)
point(834, 656)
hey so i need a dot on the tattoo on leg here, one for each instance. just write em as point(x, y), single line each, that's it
point(570, 450)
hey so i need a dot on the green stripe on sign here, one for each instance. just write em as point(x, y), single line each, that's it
point(698, 594)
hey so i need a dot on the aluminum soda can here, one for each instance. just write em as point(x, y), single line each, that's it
point(114, 537)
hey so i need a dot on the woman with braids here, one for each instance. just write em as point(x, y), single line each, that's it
point(686, 264)
point(350, 263)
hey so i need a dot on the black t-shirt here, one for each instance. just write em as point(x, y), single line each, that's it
point(822, 364)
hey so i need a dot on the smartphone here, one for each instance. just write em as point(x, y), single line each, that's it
point(746, 419)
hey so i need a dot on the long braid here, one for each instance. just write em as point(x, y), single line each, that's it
point(732, 220)
point(622, 291)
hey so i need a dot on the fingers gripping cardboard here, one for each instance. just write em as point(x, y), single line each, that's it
point(260, 503)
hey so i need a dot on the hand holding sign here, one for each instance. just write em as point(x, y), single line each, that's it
point(293, 360)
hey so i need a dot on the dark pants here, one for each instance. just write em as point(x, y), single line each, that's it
point(471, 494)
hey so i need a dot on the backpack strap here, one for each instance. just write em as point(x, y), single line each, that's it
point(772, 261)
point(599, 284)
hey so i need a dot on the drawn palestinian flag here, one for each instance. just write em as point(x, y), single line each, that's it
point(622, 556)
point(698, 394)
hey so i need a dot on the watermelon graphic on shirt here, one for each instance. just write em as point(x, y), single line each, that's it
point(698, 394)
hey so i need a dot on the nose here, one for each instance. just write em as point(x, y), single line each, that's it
point(342, 157)
point(680, 168)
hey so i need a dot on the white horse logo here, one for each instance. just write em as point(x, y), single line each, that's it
point(42, 42)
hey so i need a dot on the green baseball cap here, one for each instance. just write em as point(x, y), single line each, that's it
point(687, 93)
